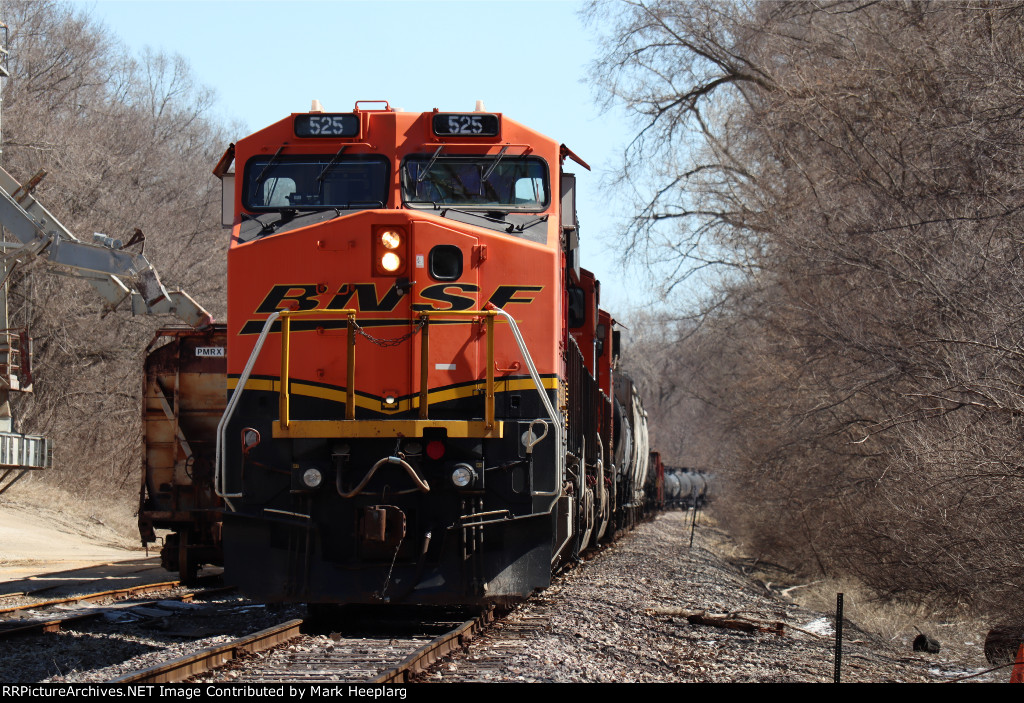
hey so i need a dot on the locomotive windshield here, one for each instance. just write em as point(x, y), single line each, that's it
point(482, 182)
point(316, 182)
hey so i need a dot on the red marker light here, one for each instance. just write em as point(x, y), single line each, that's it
point(435, 449)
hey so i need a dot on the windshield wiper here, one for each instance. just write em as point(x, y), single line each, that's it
point(259, 178)
point(430, 165)
point(331, 162)
point(494, 165)
point(509, 228)
point(264, 226)
point(531, 223)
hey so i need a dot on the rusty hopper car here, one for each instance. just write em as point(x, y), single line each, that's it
point(421, 398)
point(183, 400)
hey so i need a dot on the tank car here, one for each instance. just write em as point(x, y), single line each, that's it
point(698, 493)
point(685, 488)
point(672, 488)
point(422, 405)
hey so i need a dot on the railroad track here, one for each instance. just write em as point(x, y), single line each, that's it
point(64, 619)
point(388, 645)
point(90, 643)
point(92, 597)
point(488, 659)
point(391, 652)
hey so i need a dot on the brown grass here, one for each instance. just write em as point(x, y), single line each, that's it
point(961, 634)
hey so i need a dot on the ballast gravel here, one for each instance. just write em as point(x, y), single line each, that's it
point(122, 641)
point(621, 617)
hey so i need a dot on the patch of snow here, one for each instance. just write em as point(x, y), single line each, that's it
point(820, 626)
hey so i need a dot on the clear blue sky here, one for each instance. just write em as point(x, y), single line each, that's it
point(527, 59)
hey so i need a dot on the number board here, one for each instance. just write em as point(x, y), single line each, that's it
point(327, 125)
point(474, 124)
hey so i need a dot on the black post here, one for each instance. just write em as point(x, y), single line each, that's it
point(693, 523)
point(839, 634)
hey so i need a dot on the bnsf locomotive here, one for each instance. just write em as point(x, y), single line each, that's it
point(421, 398)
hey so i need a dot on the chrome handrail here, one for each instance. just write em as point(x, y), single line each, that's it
point(219, 474)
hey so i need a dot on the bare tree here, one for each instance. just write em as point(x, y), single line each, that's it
point(127, 143)
point(852, 171)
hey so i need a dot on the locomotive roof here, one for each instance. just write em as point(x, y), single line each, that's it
point(399, 132)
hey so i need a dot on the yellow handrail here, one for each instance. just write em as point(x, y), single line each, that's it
point(489, 315)
point(284, 407)
point(284, 410)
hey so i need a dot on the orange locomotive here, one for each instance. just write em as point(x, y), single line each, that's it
point(419, 377)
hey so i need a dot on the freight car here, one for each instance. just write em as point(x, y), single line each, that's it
point(183, 400)
point(686, 488)
point(422, 403)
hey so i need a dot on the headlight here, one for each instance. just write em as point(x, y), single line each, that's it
point(463, 475)
point(250, 438)
point(390, 239)
point(390, 261)
point(312, 478)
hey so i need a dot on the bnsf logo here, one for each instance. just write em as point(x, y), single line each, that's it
point(448, 295)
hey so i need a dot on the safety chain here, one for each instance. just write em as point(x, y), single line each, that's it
point(387, 580)
point(387, 342)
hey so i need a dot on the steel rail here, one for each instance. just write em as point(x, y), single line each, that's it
point(57, 624)
point(207, 659)
point(39, 627)
point(100, 595)
point(212, 658)
point(422, 658)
